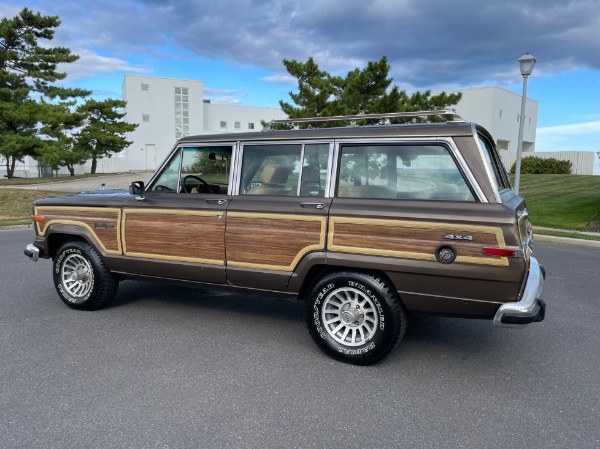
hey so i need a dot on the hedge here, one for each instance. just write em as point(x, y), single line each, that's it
point(532, 165)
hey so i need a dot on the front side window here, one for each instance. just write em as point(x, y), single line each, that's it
point(421, 172)
point(196, 170)
point(168, 181)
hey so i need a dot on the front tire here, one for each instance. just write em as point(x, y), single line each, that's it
point(81, 279)
point(355, 317)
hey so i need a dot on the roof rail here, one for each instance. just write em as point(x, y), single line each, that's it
point(353, 118)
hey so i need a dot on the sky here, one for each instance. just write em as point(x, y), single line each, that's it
point(236, 48)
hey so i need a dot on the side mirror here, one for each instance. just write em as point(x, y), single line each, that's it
point(136, 187)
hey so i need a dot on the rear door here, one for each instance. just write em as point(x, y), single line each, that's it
point(411, 209)
point(278, 215)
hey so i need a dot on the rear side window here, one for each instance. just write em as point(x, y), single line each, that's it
point(288, 169)
point(422, 172)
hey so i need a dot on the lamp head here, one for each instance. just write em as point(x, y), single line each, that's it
point(526, 64)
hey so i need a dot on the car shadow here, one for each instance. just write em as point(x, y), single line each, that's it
point(132, 292)
point(463, 336)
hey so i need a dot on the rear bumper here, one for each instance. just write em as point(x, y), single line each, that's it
point(530, 308)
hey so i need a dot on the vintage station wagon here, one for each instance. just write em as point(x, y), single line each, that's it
point(366, 224)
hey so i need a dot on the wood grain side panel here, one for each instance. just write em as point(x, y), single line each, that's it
point(271, 241)
point(182, 236)
point(412, 240)
point(103, 223)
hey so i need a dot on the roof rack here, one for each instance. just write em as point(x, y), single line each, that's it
point(353, 118)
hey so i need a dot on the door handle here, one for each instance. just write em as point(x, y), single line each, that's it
point(314, 205)
point(220, 201)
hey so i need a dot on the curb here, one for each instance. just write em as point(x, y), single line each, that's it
point(537, 238)
point(13, 227)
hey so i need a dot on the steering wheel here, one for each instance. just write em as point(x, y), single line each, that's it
point(202, 185)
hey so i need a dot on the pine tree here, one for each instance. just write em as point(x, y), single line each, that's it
point(28, 95)
point(362, 91)
point(103, 132)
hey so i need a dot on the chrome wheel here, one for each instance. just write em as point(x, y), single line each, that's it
point(77, 277)
point(350, 316)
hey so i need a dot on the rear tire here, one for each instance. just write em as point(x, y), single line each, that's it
point(81, 279)
point(355, 317)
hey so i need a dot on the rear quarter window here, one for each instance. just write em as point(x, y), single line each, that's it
point(421, 172)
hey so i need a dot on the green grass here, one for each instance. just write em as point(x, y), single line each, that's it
point(563, 201)
point(29, 181)
point(15, 204)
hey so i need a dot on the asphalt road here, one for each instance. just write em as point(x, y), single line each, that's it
point(170, 367)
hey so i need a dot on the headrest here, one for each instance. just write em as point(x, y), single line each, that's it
point(275, 174)
point(311, 174)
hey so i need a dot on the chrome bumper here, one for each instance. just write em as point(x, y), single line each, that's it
point(530, 307)
point(32, 252)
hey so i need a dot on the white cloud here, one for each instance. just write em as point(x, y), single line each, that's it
point(280, 79)
point(561, 137)
point(572, 130)
point(91, 64)
point(427, 43)
point(226, 99)
point(211, 91)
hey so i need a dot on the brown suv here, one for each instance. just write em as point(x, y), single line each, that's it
point(364, 223)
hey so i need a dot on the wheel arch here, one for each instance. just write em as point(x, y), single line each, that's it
point(59, 234)
point(306, 280)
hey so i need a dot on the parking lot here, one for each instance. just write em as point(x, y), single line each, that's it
point(174, 367)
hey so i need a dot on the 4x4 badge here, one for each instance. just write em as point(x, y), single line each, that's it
point(458, 237)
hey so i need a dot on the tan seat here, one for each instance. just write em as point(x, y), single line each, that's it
point(273, 178)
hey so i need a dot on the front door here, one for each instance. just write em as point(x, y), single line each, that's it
point(279, 213)
point(176, 229)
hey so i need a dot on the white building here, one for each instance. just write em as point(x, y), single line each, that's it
point(499, 111)
point(167, 109)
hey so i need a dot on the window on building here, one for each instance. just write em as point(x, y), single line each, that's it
point(518, 118)
point(237, 125)
point(529, 121)
point(145, 87)
point(223, 124)
point(145, 118)
point(501, 113)
point(250, 125)
point(182, 112)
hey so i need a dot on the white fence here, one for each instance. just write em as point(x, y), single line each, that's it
point(582, 161)
point(30, 169)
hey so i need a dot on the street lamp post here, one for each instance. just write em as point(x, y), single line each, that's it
point(526, 63)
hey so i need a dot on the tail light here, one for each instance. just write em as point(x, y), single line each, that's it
point(501, 252)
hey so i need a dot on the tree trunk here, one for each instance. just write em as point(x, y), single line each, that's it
point(10, 167)
point(71, 169)
point(94, 164)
